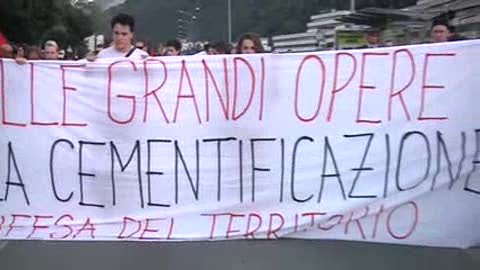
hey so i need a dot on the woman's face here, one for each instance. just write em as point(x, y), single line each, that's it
point(248, 47)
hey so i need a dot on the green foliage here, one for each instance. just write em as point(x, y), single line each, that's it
point(34, 22)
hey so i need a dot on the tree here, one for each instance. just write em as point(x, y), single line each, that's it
point(34, 22)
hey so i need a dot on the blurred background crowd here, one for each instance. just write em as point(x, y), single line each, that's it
point(72, 30)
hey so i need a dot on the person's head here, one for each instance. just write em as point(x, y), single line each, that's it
point(249, 43)
point(173, 48)
point(142, 45)
point(123, 26)
point(222, 47)
point(21, 51)
point(161, 49)
point(51, 50)
point(441, 32)
point(373, 38)
point(209, 49)
point(33, 53)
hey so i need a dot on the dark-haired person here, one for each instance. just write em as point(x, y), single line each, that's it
point(221, 47)
point(442, 30)
point(249, 43)
point(31, 53)
point(373, 38)
point(123, 27)
point(173, 48)
point(209, 49)
point(21, 51)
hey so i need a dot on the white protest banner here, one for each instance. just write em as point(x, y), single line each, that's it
point(377, 145)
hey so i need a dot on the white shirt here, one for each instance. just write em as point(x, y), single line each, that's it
point(111, 52)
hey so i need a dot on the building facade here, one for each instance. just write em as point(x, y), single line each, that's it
point(410, 25)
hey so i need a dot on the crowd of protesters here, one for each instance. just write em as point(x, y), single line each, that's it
point(123, 45)
point(123, 27)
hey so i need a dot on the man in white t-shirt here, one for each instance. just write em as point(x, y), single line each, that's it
point(123, 26)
